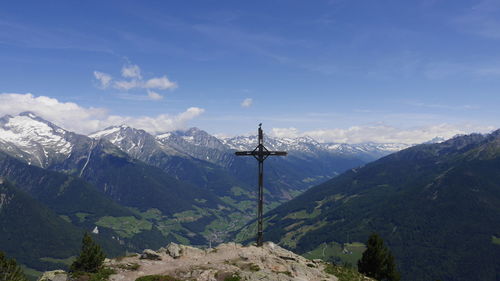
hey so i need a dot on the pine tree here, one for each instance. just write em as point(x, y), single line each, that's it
point(9, 270)
point(377, 261)
point(91, 256)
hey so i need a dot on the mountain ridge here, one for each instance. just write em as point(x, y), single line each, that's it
point(436, 206)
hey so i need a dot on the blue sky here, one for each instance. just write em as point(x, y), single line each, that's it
point(337, 70)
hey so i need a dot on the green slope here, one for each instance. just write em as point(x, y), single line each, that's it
point(30, 231)
point(437, 206)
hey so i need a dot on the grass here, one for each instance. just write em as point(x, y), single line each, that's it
point(495, 240)
point(157, 278)
point(129, 266)
point(31, 274)
point(101, 275)
point(125, 226)
point(303, 215)
point(82, 216)
point(292, 237)
point(67, 261)
point(335, 251)
point(345, 274)
point(66, 218)
point(238, 191)
point(233, 277)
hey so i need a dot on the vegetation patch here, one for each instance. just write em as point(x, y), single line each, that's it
point(291, 238)
point(348, 253)
point(233, 277)
point(66, 261)
point(31, 274)
point(238, 191)
point(101, 275)
point(129, 266)
point(303, 215)
point(345, 273)
point(287, 273)
point(125, 226)
point(157, 278)
point(82, 216)
point(495, 240)
point(66, 218)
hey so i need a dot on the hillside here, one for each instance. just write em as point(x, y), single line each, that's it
point(436, 205)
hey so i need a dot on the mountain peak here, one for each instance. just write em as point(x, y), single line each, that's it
point(29, 114)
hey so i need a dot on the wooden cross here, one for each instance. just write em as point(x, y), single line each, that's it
point(260, 153)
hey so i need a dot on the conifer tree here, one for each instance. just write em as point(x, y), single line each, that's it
point(377, 261)
point(91, 256)
point(9, 270)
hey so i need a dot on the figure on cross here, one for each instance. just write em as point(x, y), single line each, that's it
point(260, 153)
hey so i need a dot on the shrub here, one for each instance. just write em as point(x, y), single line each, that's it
point(377, 261)
point(9, 270)
point(91, 256)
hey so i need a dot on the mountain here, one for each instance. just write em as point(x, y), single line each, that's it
point(197, 157)
point(36, 141)
point(436, 205)
point(41, 230)
point(151, 206)
point(173, 157)
point(137, 190)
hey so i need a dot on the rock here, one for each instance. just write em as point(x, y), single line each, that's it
point(190, 251)
point(149, 254)
point(226, 261)
point(174, 250)
point(54, 275)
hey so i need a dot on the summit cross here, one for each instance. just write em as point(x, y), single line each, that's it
point(260, 153)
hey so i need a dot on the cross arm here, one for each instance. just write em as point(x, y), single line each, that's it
point(244, 153)
point(278, 153)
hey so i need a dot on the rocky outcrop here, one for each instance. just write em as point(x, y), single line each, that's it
point(54, 275)
point(149, 254)
point(228, 261)
point(269, 262)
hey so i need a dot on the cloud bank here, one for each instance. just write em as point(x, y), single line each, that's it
point(74, 117)
point(383, 133)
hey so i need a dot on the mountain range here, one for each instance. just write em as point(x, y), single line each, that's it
point(437, 206)
point(138, 190)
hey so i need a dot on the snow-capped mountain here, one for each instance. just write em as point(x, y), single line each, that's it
point(369, 151)
point(137, 143)
point(35, 140)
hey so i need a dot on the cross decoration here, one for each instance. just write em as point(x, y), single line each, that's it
point(260, 153)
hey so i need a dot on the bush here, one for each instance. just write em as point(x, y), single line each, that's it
point(9, 270)
point(91, 256)
point(377, 261)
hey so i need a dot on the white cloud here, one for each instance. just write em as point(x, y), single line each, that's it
point(247, 102)
point(103, 78)
point(154, 95)
point(131, 71)
point(161, 83)
point(134, 80)
point(74, 117)
point(126, 85)
point(383, 133)
point(285, 132)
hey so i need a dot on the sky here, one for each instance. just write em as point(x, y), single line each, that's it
point(336, 70)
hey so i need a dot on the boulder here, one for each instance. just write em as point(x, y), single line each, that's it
point(54, 275)
point(174, 250)
point(149, 254)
